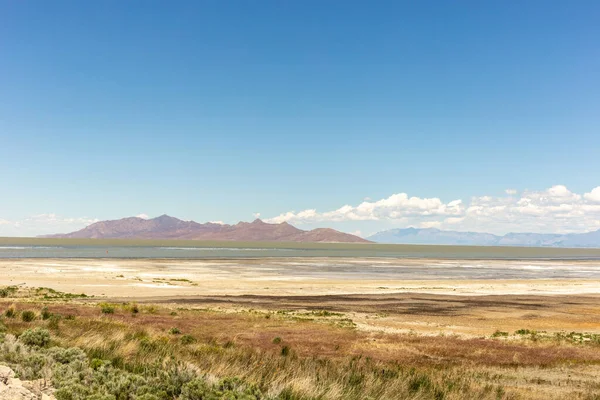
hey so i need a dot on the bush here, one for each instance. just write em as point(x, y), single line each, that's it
point(46, 314)
point(285, 351)
point(132, 308)
point(499, 334)
point(67, 356)
point(27, 316)
point(10, 312)
point(174, 331)
point(35, 337)
point(8, 291)
point(525, 332)
point(195, 390)
point(107, 308)
point(187, 339)
point(277, 340)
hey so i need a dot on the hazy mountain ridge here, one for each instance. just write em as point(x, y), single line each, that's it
point(166, 227)
point(437, 236)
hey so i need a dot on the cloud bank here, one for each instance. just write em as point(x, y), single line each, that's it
point(556, 210)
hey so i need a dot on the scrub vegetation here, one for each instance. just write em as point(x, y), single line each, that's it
point(151, 352)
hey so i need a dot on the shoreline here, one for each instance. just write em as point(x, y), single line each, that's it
point(302, 276)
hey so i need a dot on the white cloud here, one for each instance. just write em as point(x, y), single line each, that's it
point(511, 191)
point(357, 233)
point(256, 215)
point(143, 216)
point(217, 222)
point(555, 209)
point(594, 195)
point(394, 207)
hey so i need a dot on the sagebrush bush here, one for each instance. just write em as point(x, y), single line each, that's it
point(187, 339)
point(35, 337)
point(74, 377)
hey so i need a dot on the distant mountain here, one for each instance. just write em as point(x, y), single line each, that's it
point(437, 236)
point(433, 236)
point(166, 227)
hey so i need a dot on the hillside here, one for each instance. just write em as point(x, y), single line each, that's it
point(166, 227)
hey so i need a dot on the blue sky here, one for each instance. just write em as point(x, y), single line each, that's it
point(217, 110)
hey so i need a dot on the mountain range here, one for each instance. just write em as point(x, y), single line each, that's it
point(437, 236)
point(166, 227)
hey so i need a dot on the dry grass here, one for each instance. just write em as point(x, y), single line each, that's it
point(324, 356)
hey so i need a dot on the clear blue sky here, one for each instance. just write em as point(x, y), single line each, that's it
point(215, 110)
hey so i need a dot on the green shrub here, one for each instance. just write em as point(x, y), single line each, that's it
point(8, 291)
point(499, 334)
point(133, 308)
point(195, 390)
point(46, 314)
point(285, 351)
point(187, 339)
point(10, 312)
point(107, 308)
point(277, 340)
point(174, 331)
point(35, 337)
point(524, 332)
point(27, 316)
point(67, 356)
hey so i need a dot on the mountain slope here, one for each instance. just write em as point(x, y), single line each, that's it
point(166, 227)
point(437, 236)
point(433, 236)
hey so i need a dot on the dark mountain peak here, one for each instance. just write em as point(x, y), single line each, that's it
point(167, 227)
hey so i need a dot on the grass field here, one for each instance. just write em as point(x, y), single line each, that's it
point(298, 348)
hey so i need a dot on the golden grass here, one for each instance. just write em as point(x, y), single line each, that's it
point(325, 359)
